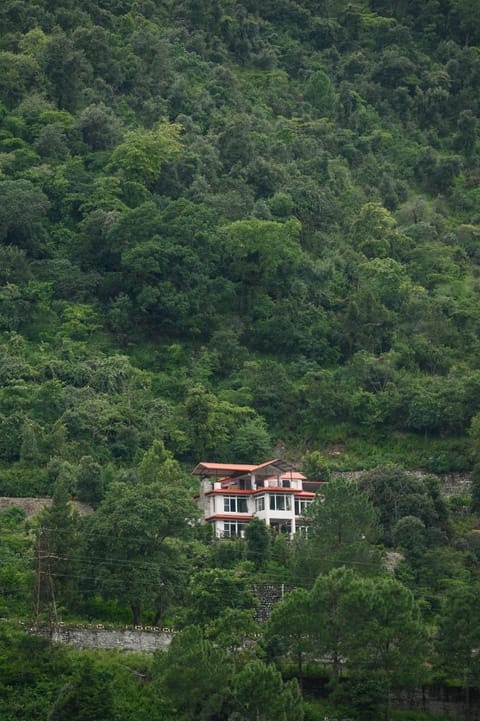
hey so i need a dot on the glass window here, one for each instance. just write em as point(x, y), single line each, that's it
point(233, 528)
point(280, 502)
point(301, 505)
point(233, 504)
point(260, 503)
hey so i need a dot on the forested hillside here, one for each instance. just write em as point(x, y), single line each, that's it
point(231, 225)
point(231, 231)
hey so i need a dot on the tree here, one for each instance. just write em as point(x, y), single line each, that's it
point(86, 697)
point(234, 631)
point(475, 488)
point(342, 527)
point(257, 251)
point(209, 421)
point(134, 539)
point(319, 92)
point(459, 634)
point(66, 68)
point(397, 493)
point(370, 626)
point(289, 629)
point(195, 675)
point(333, 618)
point(89, 486)
point(390, 642)
point(409, 535)
point(213, 591)
point(22, 207)
point(257, 541)
point(261, 695)
point(141, 156)
point(29, 448)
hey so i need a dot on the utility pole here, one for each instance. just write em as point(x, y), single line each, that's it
point(44, 592)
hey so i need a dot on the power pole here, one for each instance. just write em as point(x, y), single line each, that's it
point(44, 592)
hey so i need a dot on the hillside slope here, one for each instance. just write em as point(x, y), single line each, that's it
point(242, 228)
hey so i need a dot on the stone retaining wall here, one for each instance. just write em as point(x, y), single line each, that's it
point(137, 640)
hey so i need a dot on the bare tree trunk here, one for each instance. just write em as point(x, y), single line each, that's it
point(136, 613)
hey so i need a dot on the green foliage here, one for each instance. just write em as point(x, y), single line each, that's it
point(134, 540)
point(398, 494)
point(342, 528)
point(228, 229)
point(213, 591)
point(142, 154)
point(257, 543)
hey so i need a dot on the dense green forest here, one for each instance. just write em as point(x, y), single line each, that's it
point(231, 231)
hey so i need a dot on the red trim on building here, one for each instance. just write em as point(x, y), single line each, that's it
point(229, 517)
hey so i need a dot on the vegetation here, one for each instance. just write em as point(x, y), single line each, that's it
point(232, 231)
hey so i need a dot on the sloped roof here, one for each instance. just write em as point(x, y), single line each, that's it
point(276, 465)
point(221, 469)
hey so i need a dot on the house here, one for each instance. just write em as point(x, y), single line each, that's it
point(231, 494)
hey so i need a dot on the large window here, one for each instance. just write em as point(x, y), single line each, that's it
point(233, 528)
point(301, 505)
point(280, 502)
point(260, 503)
point(235, 504)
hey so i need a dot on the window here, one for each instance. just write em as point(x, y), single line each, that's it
point(284, 527)
point(302, 531)
point(301, 505)
point(280, 502)
point(260, 503)
point(234, 504)
point(233, 528)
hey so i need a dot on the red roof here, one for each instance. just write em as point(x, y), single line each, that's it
point(220, 469)
point(223, 469)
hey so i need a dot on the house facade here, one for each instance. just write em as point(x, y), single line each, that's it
point(232, 494)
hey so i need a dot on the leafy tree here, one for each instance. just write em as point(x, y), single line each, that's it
point(475, 488)
point(390, 645)
point(58, 544)
point(66, 69)
point(195, 675)
point(397, 493)
point(22, 207)
point(234, 632)
point(332, 616)
point(257, 541)
point(87, 697)
point(319, 92)
point(261, 695)
point(342, 526)
point(214, 591)
point(134, 538)
point(458, 634)
point(141, 156)
point(409, 535)
point(289, 629)
point(29, 448)
point(89, 482)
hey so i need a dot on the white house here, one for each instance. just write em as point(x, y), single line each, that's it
point(231, 494)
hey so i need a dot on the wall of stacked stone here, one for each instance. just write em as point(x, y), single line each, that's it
point(267, 596)
point(141, 639)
